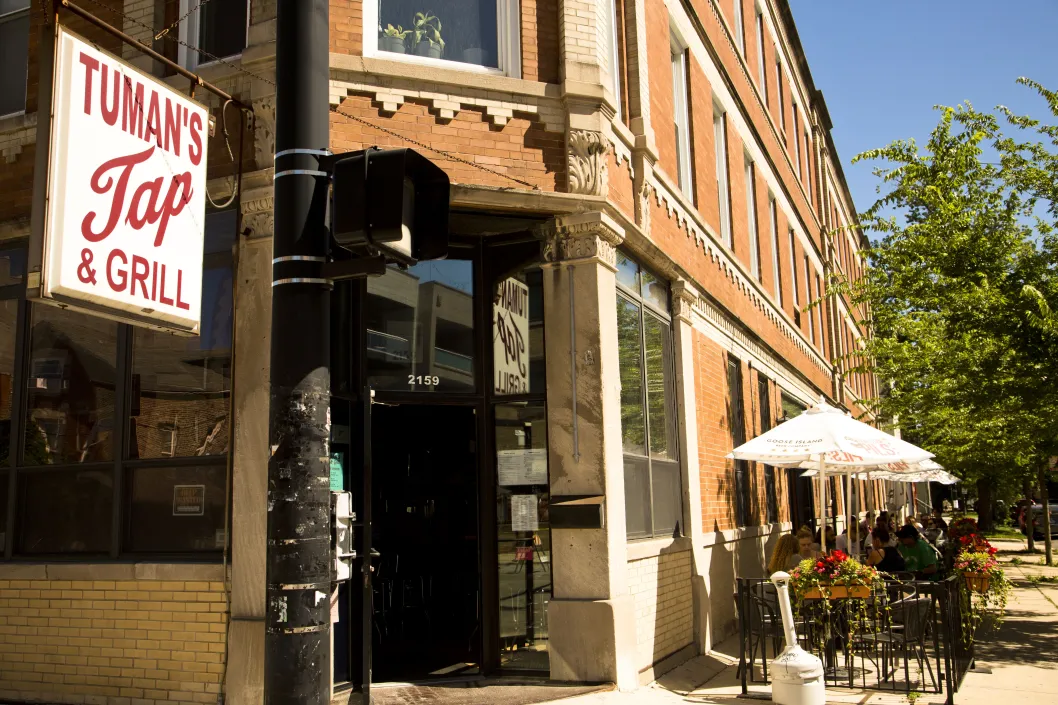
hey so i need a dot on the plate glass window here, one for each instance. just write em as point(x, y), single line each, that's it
point(737, 423)
point(653, 495)
point(770, 493)
point(14, 55)
point(420, 328)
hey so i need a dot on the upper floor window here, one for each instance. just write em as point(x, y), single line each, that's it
point(681, 117)
point(740, 27)
point(763, 76)
point(217, 28)
point(720, 140)
point(466, 34)
point(793, 269)
point(751, 211)
point(14, 55)
point(776, 273)
point(808, 303)
point(797, 143)
point(615, 34)
point(653, 494)
point(779, 93)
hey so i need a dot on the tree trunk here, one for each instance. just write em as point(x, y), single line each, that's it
point(1046, 519)
point(985, 511)
point(1028, 515)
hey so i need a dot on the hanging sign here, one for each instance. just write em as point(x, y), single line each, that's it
point(123, 226)
point(510, 333)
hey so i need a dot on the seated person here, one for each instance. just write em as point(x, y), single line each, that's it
point(882, 555)
point(938, 520)
point(785, 556)
point(849, 542)
point(831, 539)
point(920, 557)
point(806, 545)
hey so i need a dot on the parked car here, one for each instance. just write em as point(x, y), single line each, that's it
point(1037, 517)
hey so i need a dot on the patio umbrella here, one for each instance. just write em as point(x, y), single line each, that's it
point(829, 439)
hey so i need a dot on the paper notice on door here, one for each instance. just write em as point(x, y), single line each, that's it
point(522, 467)
point(524, 512)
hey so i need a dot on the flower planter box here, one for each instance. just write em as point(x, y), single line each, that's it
point(840, 592)
point(977, 582)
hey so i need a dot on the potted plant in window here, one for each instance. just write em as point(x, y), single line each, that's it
point(392, 38)
point(426, 35)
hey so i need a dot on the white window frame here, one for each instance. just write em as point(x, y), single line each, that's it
point(793, 268)
point(188, 57)
point(808, 159)
point(776, 273)
point(10, 17)
point(779, 94)
point(508, 42)
point(763, 73)
point(723, 187)
point(797, 144)
point(681, 115)
point(751, 218)
point(615, 57)
point(740, 27)
point(808, 293)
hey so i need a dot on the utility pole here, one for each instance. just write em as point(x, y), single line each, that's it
point(297, 626)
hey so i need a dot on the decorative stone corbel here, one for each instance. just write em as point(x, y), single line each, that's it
point(264, 137)
point(584, 237)
point(587, 163)
point(684, 299)
point(257, 213)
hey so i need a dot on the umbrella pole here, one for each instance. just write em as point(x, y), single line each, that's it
point(849, 518)
point(823, 503)
point(870, 501)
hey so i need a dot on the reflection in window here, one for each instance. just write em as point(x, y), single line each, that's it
point(420, 327)
point(14, 55)
point(176, 509)
point(523, 532)
point(181, 387)
point(8, 320)
point(518, 334)
point(12, 265)
point(461, 30)
point(70, 405)
point(653, 495)
point(65, 511)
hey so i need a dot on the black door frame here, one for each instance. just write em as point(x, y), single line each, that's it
point(350, 340)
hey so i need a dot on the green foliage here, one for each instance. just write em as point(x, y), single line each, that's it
point(426, 27)
point(398, 31)
point(961, 291)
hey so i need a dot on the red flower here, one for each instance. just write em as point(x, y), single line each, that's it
point(819, 564)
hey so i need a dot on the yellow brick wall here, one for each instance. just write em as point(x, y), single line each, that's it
point(661, 586)
point(112, 642)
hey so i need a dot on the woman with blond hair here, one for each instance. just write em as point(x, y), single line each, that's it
point(784, 556)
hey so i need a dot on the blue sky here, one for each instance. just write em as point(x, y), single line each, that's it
point(883, 64)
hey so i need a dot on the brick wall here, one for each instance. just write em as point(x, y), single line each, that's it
point(111, 642)
point(661, 586)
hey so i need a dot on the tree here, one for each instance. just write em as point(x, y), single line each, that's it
point(961, 289)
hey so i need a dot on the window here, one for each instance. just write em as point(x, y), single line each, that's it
point(819, 318)
point(615, 54)
point(775, 269)
point(217, 28)
point(653, 494)
point(797, 143)
point(681, 117)
point(763, 75)
point(736, 422)
point(808, 303)
point(771, 495)
point(14, 55)
point(751, 218)
point(740, 28)
point(808, 160)
point(779, 93)
point(122, 433)
point(467, 34)
point(724, 194)
point(793, 268)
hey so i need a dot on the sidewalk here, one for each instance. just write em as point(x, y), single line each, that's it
point(1019, 665)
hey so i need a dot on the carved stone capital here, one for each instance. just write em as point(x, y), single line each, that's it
point(264, 138)
point(684, 299)
point(587, 163)
point(584, 237)
point(257, 213)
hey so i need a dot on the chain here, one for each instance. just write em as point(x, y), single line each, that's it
point(177, 23)
point(435, 150)
point(203, 52)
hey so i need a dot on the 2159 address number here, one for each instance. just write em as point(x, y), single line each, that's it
point(430, 380)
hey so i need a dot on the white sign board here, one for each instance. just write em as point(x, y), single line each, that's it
point(522, 467)
point(126, 192)
point(510, 334)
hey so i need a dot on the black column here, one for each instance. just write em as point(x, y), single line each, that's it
point(297, 638)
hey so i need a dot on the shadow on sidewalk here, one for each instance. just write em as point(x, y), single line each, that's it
point(1025, 635)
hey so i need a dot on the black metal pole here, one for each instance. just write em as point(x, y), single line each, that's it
point(297, 638)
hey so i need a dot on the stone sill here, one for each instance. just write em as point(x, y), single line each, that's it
point(201, 572)
point(714, 538)
point(651, 548)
